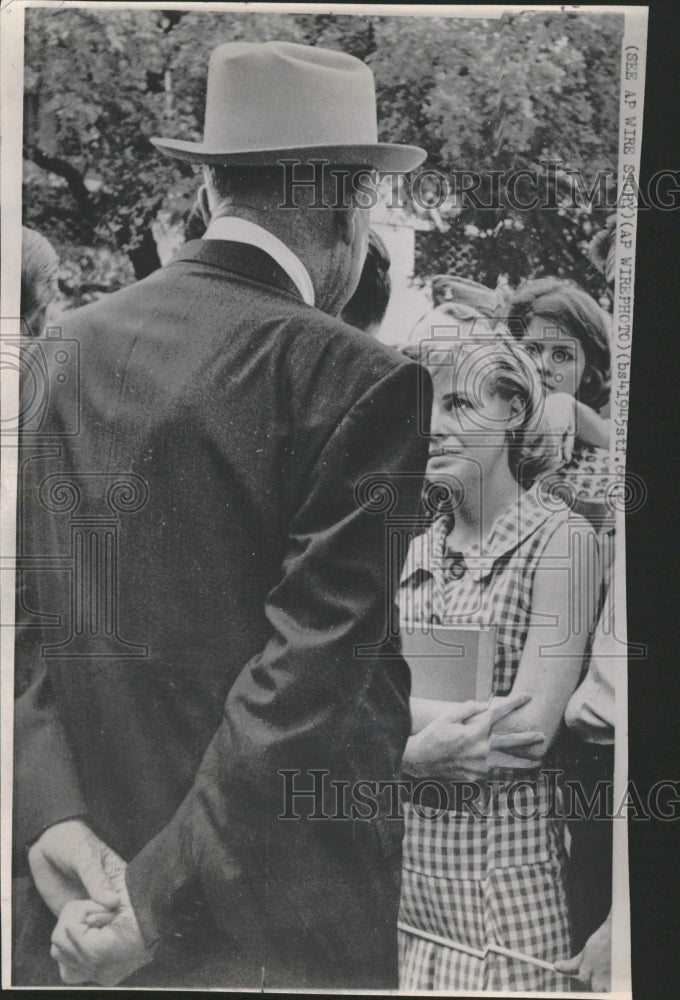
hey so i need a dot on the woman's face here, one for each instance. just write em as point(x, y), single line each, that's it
point(559, 358)
point(468, 429)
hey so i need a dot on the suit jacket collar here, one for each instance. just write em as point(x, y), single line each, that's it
point(241, 259)
point(234, 228)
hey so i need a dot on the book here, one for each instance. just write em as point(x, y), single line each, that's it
point(449, 663)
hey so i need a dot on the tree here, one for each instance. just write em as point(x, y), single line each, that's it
point(483, 94)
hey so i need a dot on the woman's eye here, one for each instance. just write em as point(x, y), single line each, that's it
point(561, 356)
point(532, 348)
point(451, 403)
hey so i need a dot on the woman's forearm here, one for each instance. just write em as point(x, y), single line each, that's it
point(424, 710)
point(591, 427)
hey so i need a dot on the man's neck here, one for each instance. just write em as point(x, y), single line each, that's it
point(243, 230)
point(267, 220)
point(296, 231)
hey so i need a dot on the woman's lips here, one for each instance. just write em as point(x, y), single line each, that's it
point(440, 458)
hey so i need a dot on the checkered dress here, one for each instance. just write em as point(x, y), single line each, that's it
point(500, 879)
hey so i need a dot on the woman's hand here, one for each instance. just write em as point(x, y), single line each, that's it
point(559, 422)
point(459, 743)
point(565, 418)
point(593, 966)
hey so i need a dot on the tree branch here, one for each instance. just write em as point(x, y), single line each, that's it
point(71, 175)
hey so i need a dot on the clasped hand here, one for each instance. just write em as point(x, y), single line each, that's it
point(97, 937)
point(459, 743)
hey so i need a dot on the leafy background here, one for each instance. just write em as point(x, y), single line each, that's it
point(488, 95)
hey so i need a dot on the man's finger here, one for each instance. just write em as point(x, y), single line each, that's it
point(98, 885)
point(75, 936)
point(65, 957)
point(102, 918)
point(72, 975)
point(500, 707)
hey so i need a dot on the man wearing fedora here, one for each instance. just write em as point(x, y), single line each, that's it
point(244, 651)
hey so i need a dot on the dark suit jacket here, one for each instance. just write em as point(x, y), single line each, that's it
point(204, 604)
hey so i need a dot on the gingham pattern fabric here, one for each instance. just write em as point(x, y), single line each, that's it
point(499, 879)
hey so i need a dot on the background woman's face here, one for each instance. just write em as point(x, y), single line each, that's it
point(468, 429)
point(559, 358)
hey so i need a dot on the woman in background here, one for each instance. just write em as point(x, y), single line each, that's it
point(39, 273)
point(476, 882)
point(567, 334)
point(367, 307)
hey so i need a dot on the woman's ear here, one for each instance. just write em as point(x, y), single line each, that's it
point(346, 224)
point(517, 412)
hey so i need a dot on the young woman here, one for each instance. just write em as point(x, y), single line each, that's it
point(478, 879)
point(566, 332)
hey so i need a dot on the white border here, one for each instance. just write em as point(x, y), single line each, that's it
point(11, 95)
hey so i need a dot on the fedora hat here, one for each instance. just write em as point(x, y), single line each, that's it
point(277, 100)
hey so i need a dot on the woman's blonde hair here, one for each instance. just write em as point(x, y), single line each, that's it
point(480, 355)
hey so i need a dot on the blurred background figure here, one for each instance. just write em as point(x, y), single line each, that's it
point(449, 294)
point(368, 305)
point(39, 273)
point(453, 289)
point(567, 334)
point(602, 252)
point(589, 759)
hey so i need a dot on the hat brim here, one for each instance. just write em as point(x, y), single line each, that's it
point(381, 155)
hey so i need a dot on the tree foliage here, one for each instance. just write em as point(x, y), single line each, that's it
point(487, 95)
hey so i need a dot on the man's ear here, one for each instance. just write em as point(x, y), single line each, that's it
point(346, 224)
point(204, 205)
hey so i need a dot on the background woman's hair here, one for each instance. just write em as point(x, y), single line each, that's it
point(39, 273)
point(481, 354)
point(560, 304)
point(451, 289)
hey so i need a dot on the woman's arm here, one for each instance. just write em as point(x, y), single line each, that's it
point(564, 417)
point(455, 739)
point(426, 710)
point(590, 426)
point(562, 609)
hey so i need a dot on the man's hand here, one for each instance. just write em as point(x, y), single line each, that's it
point(92, 945)
point(593, 966)
point(69, 862)
point(459, 742)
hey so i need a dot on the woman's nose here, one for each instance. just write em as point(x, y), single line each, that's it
point(543, 358)
point(441, 424)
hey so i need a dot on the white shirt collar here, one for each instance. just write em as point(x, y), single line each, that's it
point(230, 227)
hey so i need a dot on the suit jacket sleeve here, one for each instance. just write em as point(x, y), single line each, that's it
point(46, 785)
point(306, 700)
